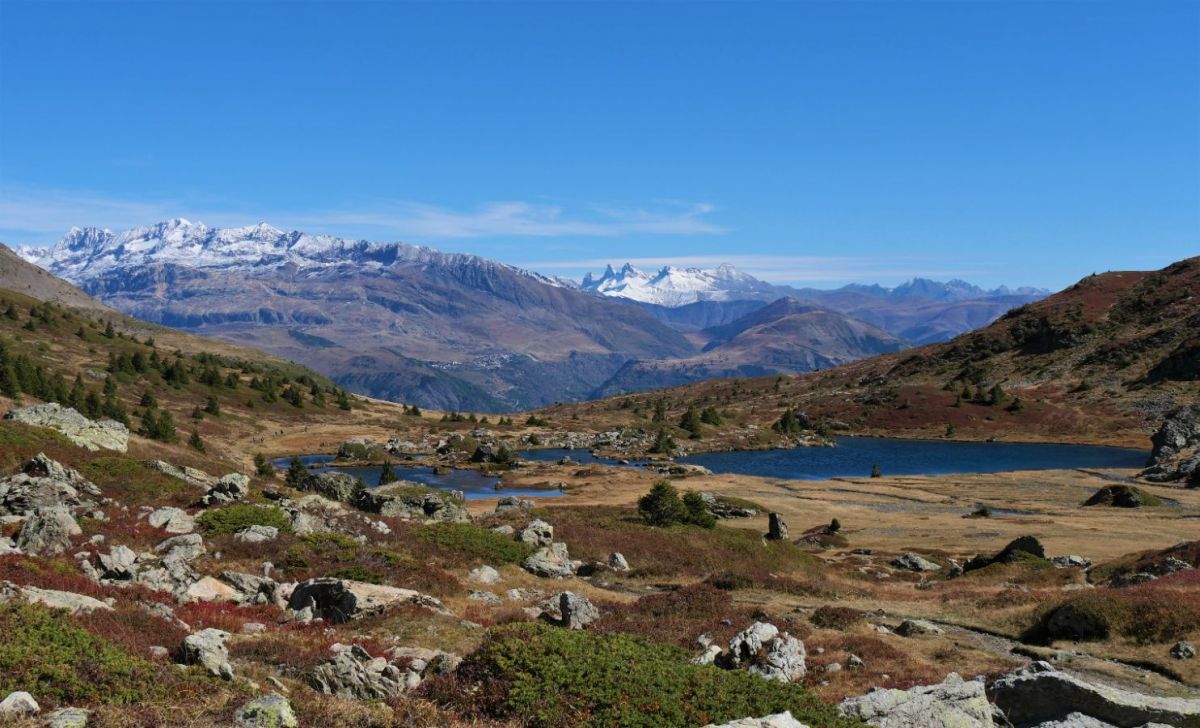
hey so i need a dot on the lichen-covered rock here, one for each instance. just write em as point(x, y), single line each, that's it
point(192, 476)
point(764, 651)
point(778, 720)
point(354, 673)
point(914, 627)
point(512, 503)
point(1183, 650)
point(207, 649)
point(253, 589)
point(172, 520)
point(570, 610)
point(912, 562)
point(52, 598)
point(268, 711)
point(483, 575)
point(314, 514)
point(230, 488)
point(1121, 496)
point(777, 530)
point(68, 718)
point(337, 486)
point(552, 562)
point(1176, 452)
point(954, 702)
point(19, 704)
point(93, 435)
point(44, 483)
point(339, 600)
point(1038, 693)
point(537, 533)
point(413, 501)
point(617, 562)
point(48, 531)
point(257, 534)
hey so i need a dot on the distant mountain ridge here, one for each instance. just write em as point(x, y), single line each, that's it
point(455, 331)
point(673, 287)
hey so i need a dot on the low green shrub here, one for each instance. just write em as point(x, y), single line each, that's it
point(233, 518)
point(662, 506)
point(464, 543)
point(61, 663)
point(545, 676)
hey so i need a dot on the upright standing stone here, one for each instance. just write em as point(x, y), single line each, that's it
point(777, 529)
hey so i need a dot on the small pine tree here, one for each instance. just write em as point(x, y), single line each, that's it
point(263, 467)
point(195, 442)
point(663, 443)
point(662, 505)
point(875, 471)
point(697, 510)
point(691, 422)
point(297, 474)
point(212, 406)
point(387, 475)
point(197, 413)
point(148, 400)
point(108, 331)
point(834, 526)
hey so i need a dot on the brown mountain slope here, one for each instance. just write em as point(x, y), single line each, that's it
point(1101, 361)
point(22, 277)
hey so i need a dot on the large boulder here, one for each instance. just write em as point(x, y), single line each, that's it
point(253, 589)
point(43, 483)
point(192, 476)
point(18, 705)
point(413, 501)
point(1038, 693)
point(268, 711)
point(778, 720)
point(537, 533)
point(509, 503)
point(314, 514)
point(93, 435)
point(230, 488)
point(763, 650)
point(1022, 547)
point(552, 562)
point(336, 486)
point(1122, 496)
point(340, 600)
point(353, 673)
point(954, 702)
point(48, 531)
point(570, 610)
point(912, 562)
point(52, 598)
point(207, 649)
point(1176, 452)
point(256, 534)
point(172, 520)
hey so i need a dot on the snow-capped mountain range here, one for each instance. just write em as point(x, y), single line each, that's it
point(673, 287)
point(85, 253)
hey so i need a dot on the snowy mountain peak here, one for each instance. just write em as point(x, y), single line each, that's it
point(673, 286)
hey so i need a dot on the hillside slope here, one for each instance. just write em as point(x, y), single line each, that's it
point(1102, 361)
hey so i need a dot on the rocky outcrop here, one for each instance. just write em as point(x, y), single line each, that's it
point(914, 627)
point(191, 476)
point(1121, 496)
point(483, 575)
point(68, 718)
point(268, 711)
point(537, 534)
point(763, 650)
point(253, 589)
point(513, 503)
point(778, 720)
point(172, 520)
point(1176, 452)
point(353, 673)
point(1039, 693)
point(314, 514)
point(340, 600)
point(93, 435)
point(912, 562)
point(43, 483)
point(207, 649)
point(336, 486)
point(48, 531)
point(552, 562)
point(954, 702)
point(413, 501)
point(570, 610)
point(723, 509)
point(776, 529)
point(1023, 547)
point(257, 534)
point(52, 598)
point(229, 489)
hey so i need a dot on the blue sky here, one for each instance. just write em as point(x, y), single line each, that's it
point(816, 143)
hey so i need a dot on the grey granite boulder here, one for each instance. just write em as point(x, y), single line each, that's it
point(551, 561)
point(93, 435)
point(48, 531)
point(570, 610)
point(953, 703)
point(207, 649)
point(268, 711)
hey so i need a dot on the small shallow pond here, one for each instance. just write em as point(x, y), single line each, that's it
point(854, 456)
point(583, 457)
point(472, 483)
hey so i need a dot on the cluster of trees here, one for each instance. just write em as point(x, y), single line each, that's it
point(791, 421)
point(995, 396)
point(662, 506)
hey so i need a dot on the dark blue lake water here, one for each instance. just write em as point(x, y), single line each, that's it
point(473, 484)
point(854, 456)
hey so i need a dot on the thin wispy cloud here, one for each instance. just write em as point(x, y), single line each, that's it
point(40, 216)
